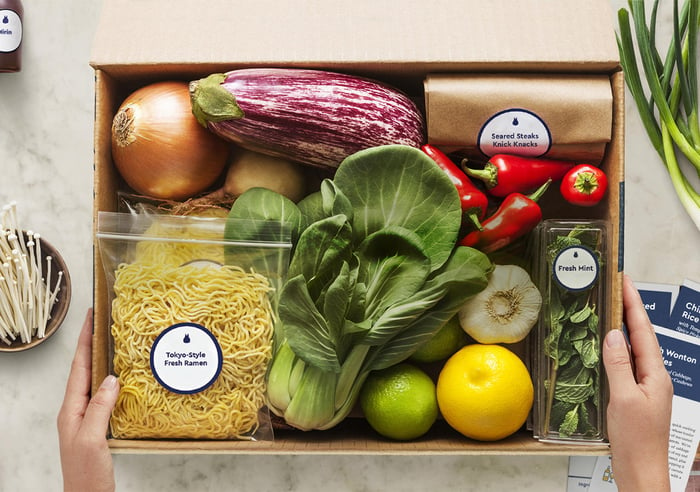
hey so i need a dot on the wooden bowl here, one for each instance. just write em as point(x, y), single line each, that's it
point(59, 308)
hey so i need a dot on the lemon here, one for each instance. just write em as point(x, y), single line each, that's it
point(399, 402)
point(450, 338)
point(485, 392)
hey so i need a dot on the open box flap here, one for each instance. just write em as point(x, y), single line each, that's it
point(562, 35)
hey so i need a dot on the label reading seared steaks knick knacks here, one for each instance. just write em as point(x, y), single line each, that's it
point(515, 131)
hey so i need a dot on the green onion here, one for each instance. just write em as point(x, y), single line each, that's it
point(668, 106)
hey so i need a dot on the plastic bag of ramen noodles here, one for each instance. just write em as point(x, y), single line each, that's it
point(192, 323)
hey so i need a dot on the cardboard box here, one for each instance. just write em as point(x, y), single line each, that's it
point(400, 42)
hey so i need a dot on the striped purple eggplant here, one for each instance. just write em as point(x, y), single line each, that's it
point(314, 117)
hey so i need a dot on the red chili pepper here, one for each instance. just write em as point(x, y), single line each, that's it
point(516, 216)
point(584, 185)
point(474, 201)
point(505, 174)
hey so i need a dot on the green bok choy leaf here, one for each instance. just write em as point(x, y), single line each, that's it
point(374, 274)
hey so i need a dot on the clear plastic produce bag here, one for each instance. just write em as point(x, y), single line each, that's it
point(192, 323)
point(572, 275)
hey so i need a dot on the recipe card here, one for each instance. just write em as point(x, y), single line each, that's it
point(681, 353)
point(679, 339)
point(685, 316)
point(580, 473)
point(673, 310)
point(658, 301)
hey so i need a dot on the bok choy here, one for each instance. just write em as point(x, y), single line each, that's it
point(375, 272)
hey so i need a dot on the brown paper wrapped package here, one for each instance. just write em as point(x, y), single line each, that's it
point(575, 109)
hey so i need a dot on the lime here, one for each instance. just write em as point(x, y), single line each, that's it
point(399, 402)
point(448, 340)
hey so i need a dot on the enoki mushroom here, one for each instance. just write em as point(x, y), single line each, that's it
point(26, 298)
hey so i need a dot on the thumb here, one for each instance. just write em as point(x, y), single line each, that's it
point(100, 407)
point(616, 358)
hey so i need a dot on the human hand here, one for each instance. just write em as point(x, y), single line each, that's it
point(639, 410)
point(86, 461)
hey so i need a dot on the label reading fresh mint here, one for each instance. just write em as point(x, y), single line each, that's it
point(575, 268)
point(515, 131)
point(186, 358)
point(10, 31)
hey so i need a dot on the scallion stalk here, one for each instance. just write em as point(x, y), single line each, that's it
point(668, 107)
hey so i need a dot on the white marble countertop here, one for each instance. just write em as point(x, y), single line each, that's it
point(46, 128)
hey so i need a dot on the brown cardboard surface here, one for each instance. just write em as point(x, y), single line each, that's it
point(139, 41)
point(353, 437)
point(413, 35)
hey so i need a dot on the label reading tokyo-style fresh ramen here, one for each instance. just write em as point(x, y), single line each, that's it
point(515, 131)
point(575, 268)
point(186, 358)
point(10, 31)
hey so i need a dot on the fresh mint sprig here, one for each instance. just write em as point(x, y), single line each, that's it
point(573, 347)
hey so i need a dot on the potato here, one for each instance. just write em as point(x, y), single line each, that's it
point(249, 169)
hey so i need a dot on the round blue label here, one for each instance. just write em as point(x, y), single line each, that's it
point(186, 358)
point(10, 31)
point(515, 131)
point(575, 268)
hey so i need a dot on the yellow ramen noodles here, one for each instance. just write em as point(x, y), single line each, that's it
point(160, 289)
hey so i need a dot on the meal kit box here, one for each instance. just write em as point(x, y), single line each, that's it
point(436, 56)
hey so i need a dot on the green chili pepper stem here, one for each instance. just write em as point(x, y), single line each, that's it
point(473, 218)
point(537, 194)
point(586, 183)
point(489, 174)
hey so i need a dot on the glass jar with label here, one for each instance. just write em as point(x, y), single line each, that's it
point(11, 12)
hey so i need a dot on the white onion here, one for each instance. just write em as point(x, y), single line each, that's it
point(160, 149)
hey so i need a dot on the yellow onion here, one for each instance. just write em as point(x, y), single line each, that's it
point(160, 149)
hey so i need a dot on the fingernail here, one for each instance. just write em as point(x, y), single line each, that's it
point(110, 382)
point(615, 339)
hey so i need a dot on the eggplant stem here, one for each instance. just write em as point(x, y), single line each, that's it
point(211, 102)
